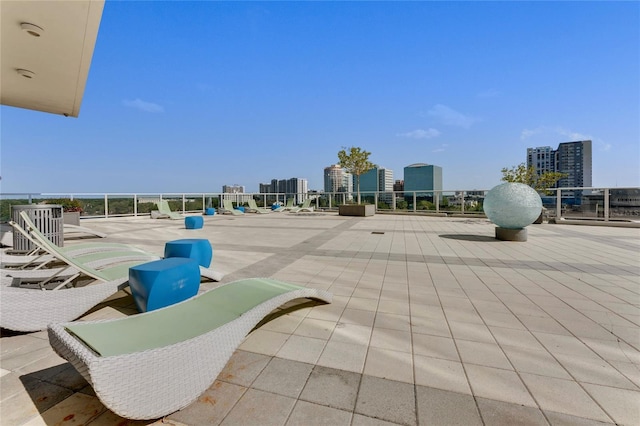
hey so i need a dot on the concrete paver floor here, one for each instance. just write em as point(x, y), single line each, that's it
point(434, 322)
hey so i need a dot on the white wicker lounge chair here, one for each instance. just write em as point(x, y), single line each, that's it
point(38, 258)
point(29, 309)
point(149, 365)
point(48, 246)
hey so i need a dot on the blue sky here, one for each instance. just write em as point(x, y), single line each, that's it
point(190, 96)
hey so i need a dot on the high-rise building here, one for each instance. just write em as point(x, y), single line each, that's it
point(543, 159)
point(265, 188)
point(296, 188)
point(422, 177)
point(571, 158)
point(336, 179)
point(574, 159)
point(378, 179)
point(233, 189)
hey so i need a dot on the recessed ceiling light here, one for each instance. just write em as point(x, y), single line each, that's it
point(26, 73)
point(34, 30)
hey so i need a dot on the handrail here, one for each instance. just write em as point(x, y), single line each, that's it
point(596, 203)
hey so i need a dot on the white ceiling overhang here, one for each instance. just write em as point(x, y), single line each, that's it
point(59, 59)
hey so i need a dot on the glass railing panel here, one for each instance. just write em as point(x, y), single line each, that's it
point(117, 205)
point(147, 203)
point(624, 204)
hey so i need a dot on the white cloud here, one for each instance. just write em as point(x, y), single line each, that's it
point(442, 148)
point(553, 135)
point(143, 106)
point(554, 131)
point(421, 134)
point(451, 117)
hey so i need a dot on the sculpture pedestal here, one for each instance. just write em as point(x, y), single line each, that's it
point(506, 234)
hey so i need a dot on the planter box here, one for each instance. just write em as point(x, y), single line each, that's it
point(71, 218)
point(357, 210)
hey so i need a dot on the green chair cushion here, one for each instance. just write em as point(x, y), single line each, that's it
point(180, 322)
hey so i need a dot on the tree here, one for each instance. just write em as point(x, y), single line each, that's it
point(355, 161)
point(527, 175)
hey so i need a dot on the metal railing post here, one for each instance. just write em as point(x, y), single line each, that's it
point(135, 205)
point(558, 203)
point(606, 204)
point(414, 201)
point(106, 205)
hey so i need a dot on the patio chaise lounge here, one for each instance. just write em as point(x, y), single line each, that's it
point(29, 309)
point(164, 211)
point(149, 365)
point(253, 207)
point(288, 206)
point(228, 208)
point(304, 207)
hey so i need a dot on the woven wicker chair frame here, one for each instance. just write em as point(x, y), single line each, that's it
point(156, 382)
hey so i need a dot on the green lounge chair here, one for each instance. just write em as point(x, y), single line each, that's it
point(253, 207)
point(304, 207)
point(289, 205)
point(165, 211)
point(149, 365)
point(228, 208)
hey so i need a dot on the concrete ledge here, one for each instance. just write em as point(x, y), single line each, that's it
point(357, 210)
point(505, 234)
point(595, 222)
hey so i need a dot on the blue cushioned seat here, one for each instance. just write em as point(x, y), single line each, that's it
point(164, 282)
point(193, 222)
point(198, 249)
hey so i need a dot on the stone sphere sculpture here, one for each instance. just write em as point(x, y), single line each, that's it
point(512, 205)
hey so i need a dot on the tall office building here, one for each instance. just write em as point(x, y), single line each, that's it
point(232, 189)
point(378, 179)
point(296, 188)
point(543, 159)
point(337, 180)
point(571, 158)
point(422, 177)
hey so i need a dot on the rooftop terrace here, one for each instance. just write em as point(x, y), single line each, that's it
point(433, 322)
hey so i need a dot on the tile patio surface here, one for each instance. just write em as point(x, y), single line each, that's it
point(434, 322)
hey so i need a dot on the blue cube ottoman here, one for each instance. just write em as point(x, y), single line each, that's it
point(193, 222)
point(209, 211)
point(241, 208)
point(163, 282)
point(198, 249)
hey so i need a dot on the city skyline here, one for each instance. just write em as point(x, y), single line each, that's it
point(188, 96)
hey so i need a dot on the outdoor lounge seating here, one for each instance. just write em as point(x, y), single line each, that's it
point(228, 208)
point(38, 259)
point(253, 207)
point(304, 207)
point(286, 207)
point(149, 365)
point(30, 309)
point(165, 211)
